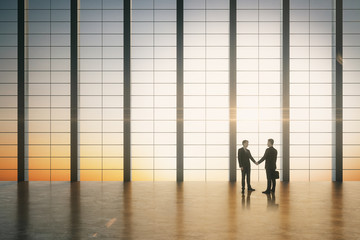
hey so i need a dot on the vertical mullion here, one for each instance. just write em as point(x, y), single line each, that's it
point(339, 91)
point(285, 92)
point(232, 93)
point(21, 92)
point(180, 91)
point(127, 92)
point(74, 91)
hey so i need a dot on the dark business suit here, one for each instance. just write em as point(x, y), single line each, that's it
point(270, 165)
point(244, 156)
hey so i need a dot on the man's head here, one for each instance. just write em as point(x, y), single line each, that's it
point(245, 143)
point(270, 142)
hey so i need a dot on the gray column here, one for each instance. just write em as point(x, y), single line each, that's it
point(339, 92)
point(285, 92)
point(127, 92)
point(21, 92)
point(74, 91)
point(180, 91)
point(232, 91)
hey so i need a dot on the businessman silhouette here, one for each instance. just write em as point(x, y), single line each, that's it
point(270, 157)
point(244, 155)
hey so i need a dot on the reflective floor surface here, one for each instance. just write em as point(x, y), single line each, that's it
point(168, 210)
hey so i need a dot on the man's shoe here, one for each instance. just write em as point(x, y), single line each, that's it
point(242, 191)
point(266, 192)
point(251, 189)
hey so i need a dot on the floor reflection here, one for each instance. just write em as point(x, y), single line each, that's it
point(22, 210)
point(336, 213)
point(232, 211)
point(271, 201)
point(75, 210)
point(179, 210)
point(245, 200)
point(189, 210)
point(284, 212)
point(127, 210)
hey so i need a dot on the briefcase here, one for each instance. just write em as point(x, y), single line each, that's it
point(276, 175)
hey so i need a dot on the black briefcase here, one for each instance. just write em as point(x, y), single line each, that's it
point(276, 175)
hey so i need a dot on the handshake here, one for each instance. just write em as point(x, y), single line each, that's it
point(256, 163)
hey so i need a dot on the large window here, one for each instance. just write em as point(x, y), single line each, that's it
point(312, 100)
point(8, 90)
point(153, 90)
point(259, 78)
point(206, 90)
point(47, 90)
point(101, 90)
point(351, 90)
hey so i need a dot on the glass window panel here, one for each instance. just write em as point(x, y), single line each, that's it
point(351, 151)
point(321, 4)
point(299, 40)
point(90, 138)
point(90, 4)
point(142, 138)
point(321, 15)
point(299, 126)
point(321, 163)
point(90, 126)
point(351, 175)
point(270, 27)
point(350, 40)
point(321, 151)
point(351, 163)
point(8, 40)
point(38, 101)
point(112, 101)
point(299, 52)
point(321, 138)
point(321, 175)
point(194, 27)
point(113, 126)
point(299, 15)
point(142, 175)
point(351, 126)
point(299, 163)
point(38, 114)
point(351, 101)
point(8, 5)
point(299, 101)
point(60, 40)
point(321, 101)
point(351, 27)
point(165, 15)
point(60, 114)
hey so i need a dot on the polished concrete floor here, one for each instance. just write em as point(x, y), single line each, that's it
point(167, 210)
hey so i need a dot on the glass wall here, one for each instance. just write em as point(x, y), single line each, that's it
point(8, 90)
point(206, 90)
point(312, 90)
point(259, 78)
point(47, 90)
point(351, 90)
point(101, 90)
point(153, 90)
